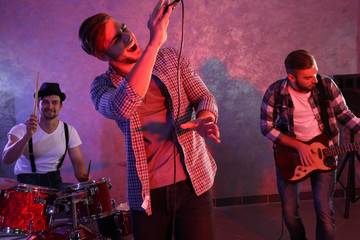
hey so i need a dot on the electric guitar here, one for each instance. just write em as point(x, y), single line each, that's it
point(288, 160)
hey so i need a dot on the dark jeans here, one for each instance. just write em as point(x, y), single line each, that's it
point(323, 186)
point(50, 179)
point(194, 218)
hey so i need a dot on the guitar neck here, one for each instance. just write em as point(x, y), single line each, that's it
point(336, 150)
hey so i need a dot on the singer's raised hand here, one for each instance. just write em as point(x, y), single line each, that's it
point(158, 23)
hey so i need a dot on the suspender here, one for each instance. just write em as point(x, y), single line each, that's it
point(66, 146)
point(31, 153)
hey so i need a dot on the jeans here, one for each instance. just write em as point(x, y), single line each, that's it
point(49, 179)
point(194, 218)
point(323, 187)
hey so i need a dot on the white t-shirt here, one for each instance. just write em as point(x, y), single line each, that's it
point(306, 126)
point(48, 148)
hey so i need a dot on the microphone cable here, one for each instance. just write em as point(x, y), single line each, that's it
point(178, 113)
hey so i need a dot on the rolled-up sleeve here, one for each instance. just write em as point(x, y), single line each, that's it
point(114, 103)
point(198, 94)
point(268, 118)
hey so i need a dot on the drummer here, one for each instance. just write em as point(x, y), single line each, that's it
point(39, 152)
point(49, 149)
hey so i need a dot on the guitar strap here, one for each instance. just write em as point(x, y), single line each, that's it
point(323, 101)
point(31, 152)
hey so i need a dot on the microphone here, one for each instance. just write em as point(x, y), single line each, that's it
point(173, 4)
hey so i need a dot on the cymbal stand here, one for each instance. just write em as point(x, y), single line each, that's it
point(350, 187)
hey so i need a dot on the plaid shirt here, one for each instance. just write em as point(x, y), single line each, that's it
point(277, 111)
point(114, 98)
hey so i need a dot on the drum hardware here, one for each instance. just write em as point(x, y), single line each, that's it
point(63, 232)
point(113, 203)
point(99, 207)
point(72, 199)
point(31, 224)
point(39, 200)
point(93, 191)
point(50, 210)
point(88, 201)
point(122, 218)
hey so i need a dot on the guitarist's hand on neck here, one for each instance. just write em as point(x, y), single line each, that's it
point(305, 151)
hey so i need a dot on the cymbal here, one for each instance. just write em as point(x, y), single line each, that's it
point(6, 183)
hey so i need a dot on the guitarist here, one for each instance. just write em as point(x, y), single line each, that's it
point(294, 110)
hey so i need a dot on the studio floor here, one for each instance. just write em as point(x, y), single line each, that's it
point(264, 222)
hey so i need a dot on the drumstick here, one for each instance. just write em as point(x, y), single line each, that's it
point(88, 173)
point(36, 94)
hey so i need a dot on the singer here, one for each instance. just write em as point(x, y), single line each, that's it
point(169, 169)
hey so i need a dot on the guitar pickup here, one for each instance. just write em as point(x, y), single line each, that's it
point(320, 153)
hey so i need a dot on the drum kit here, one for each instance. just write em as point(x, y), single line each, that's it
point(27, 211)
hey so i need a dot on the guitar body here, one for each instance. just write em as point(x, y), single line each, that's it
point(289, 165)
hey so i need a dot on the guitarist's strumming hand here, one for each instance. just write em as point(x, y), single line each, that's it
point(305, 152)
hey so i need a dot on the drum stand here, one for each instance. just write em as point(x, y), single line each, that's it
point(75, 233)
point(350, 187)
point(74, 198)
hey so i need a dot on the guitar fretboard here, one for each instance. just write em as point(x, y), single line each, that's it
point(336, 150)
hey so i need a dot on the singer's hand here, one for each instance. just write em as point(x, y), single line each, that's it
point(158, 23)
point(206, 128)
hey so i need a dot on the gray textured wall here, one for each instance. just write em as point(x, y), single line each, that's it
point(238, 47)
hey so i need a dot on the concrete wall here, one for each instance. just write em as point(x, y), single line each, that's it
point(238, 47)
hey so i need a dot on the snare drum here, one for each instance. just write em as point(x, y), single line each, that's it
point(98, 202)
point(24, 209)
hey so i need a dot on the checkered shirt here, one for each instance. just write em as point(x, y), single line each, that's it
point(114, 98)
point(277, 111)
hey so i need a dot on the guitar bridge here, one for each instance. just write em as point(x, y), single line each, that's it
point(330, 162)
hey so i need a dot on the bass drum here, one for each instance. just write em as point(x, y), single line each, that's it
point(25, 209)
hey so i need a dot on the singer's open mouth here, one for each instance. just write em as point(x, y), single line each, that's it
point(133, 48)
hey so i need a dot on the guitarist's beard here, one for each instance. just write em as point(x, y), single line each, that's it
point(301, 88)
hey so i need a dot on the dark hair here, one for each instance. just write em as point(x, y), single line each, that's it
point(91, 32)
point(298, 60)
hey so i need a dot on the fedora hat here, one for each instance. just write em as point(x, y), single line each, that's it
point(48, 89)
